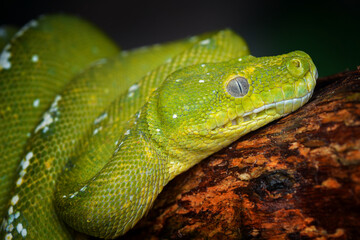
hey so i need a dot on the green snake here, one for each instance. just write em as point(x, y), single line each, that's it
point(90, 134)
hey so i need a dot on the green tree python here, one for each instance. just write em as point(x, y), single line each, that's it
point(90, 134)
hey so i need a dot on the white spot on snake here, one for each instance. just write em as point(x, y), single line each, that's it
point(118, 147)
point(99, 119)
point(240, 59)
point(19, 182)
point(127, 132)
point(10, 211)
point(83, 189)
point(4, 58)
point(174, 116)
point(19, 227)
point(158, 130)
point(177, 80)
point(22, 173)
point(54, 107)
point(17, 214)
point(205, 42)
point(168, 60)
point(25, 163)
point(132, 89)
point(32, 23)
point(35, 58)
point(8, 236)
point(207, 73)
point(203, 65)
point(14, 199)
point(47, 118)
point(28, 134)
point(24, 232)
point(97, 130)
point(201, 81)
point(36, 103)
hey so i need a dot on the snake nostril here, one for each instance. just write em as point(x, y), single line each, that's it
point(296, 63)
point(298, 67)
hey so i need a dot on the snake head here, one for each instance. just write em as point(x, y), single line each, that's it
point(203, 108)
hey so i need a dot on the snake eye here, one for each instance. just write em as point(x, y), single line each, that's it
point(238, 87)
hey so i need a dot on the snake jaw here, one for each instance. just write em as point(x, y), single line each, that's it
point(275, 110)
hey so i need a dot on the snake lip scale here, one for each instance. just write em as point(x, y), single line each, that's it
point(253, 113)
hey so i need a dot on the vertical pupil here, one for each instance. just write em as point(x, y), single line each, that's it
point(239, 85)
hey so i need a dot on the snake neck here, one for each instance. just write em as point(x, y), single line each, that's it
point(169, 143)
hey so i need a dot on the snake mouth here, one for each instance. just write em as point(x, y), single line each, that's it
point(273, 110)
point(257, 115)
point(281, 108)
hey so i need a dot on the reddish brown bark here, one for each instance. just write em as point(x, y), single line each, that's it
point(297, 178)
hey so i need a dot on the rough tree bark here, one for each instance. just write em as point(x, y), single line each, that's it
point(297, 178)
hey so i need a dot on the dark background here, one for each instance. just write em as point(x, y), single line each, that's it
point(328, 30)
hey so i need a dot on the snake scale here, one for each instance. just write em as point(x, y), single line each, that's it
point(90, 134)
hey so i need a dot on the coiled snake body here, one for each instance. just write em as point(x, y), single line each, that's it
point(90, 136)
